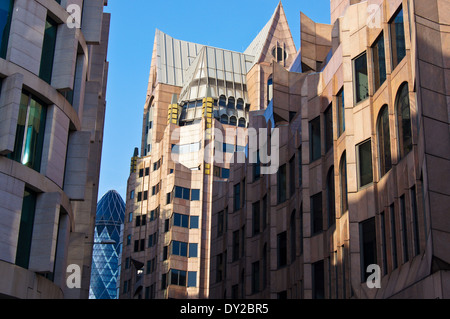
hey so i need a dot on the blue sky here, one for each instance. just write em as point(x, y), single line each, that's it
point(230, 24)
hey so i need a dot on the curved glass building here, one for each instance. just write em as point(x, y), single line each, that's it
point(107, 246)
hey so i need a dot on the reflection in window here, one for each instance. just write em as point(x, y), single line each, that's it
point(30, 132)
point(398, 49)
point(404, 120)
point(379, 62)
point(361, 79)
point(384, 141)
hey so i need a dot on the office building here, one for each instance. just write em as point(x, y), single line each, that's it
point(357, 126)
point(53, 72)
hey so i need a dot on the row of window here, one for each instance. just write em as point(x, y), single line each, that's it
point(398, 52)
point(183, 221)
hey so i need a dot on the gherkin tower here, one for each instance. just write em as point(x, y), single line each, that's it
point(107, 247)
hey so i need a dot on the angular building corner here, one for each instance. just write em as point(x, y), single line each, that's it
point(53, 66)
point(360, 120)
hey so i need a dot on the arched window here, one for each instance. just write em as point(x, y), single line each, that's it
point(231, 103)
point(331, 207)
point(343, 183)
point(403, 113)
point(242, 122)
point(222, 101)
point(269, 89)
point(240, 104)
point(384, 141)
point(233, 121)
point(224, 119)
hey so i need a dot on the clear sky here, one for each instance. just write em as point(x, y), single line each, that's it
point(231, 24)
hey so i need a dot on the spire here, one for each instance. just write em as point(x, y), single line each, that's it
point(275, 32)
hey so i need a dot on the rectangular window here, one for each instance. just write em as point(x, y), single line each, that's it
point(397, 33)
point(6, 9)
point(292, 176)
point(194, 222)
point(317, 214)
point(192, 279)
point(364, 153)
point(360, 78)
point(281, 184)
point(220, 223)
point(177, 277)
point(237, 197)
point(383, 243)
point(318, 277)
point(314, 139)
point(48, 50)
point(282, 249)
point(179, 249)
point(256, 218)
point(193, 250)
point(235, 245)
point(393, 237)
point(257, 167)
point(328, 118)
point(379, 62)
point(141, 172)
point(404, 229)
point(30, 132)
point(340, 106)
point(415, 221)
point(180, 220)
point(255, 277)
point(26, 229)
point(225, 173)
point(368, 242)
point(195, 195)
point(186, 193)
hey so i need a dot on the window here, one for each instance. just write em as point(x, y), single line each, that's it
point(179, 249)
point(48, 50)
point(30, 132)
point(264, 212)
point(318, 279)
point(360, 78)
point(364, 153)
point(231, 103)
point(384, 141)
point(281, 184)
point(383, 242)
point(269, 90)
point(237, 197)
point(279, 53)
point(195, 195)
point(397, 32)
point(6, 9)
point(343, 183)
point(219, 267)
point(255, 277)
point(368, 246)
point(194, 222)
point(282, 249)
point(233, 120)
point(314, 139)
point(404, 229)
point(222, 101)
point(193, 250)
point(317, 216)
point(300, 166)
point(293, 236)
point(256, 218)
point(180, 220)
point(235, 245)
point(331, 206)
point(379, 62)
point(192, 279)
point(177, 277)
point(240, 104)
point(130, 217)
point(242, 122)
point(132, 195)
point(257, 167)
point(328, 117)
point(26, 229)
point(403, 120)
point(340, 112)
point(292, 176)
point(415, 220)
point(393, 237)
point(224, 119)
